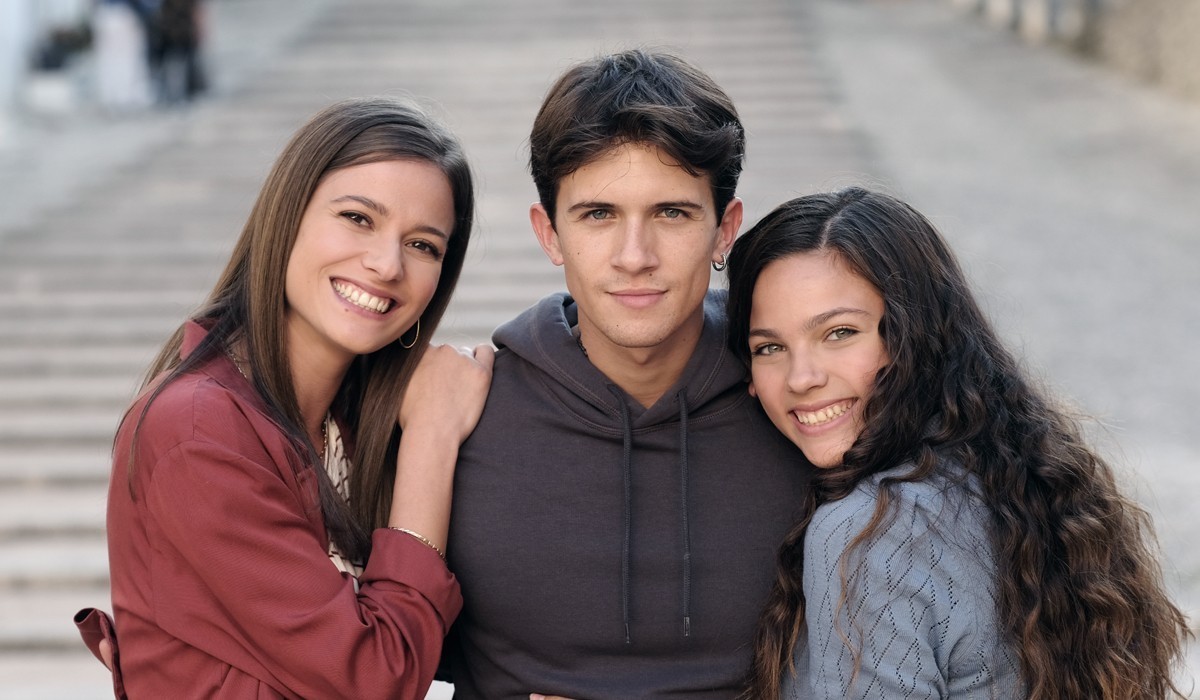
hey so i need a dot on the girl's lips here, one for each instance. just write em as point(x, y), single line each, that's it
point(820, 417)
point(362, 298)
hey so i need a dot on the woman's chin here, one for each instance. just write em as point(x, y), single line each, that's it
point(826, 457)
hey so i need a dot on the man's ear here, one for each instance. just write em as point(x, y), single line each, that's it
point(728, 228)
point(543, 228)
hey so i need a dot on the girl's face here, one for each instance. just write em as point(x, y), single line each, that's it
point(366, 260)
point(815, 349)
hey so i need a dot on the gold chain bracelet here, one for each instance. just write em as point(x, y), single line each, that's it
point(422, 539)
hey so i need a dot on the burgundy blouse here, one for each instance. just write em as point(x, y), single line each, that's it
point(222, 585)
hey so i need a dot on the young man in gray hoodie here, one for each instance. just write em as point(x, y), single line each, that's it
point(618, 508)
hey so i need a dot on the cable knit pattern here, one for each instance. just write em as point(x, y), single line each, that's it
point(920, 603)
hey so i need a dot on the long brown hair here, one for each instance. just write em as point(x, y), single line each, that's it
point(248, 306)
point(1080, 593)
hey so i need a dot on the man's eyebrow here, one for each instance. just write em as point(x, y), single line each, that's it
point(589, 205)
point(681, 204)
point(365, 201)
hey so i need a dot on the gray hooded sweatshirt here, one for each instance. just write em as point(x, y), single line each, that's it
point(607, 550)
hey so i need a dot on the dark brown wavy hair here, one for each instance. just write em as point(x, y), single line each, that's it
point(248, 306)
point(1080, 592)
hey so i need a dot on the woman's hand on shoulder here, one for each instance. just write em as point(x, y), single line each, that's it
point(448, 389)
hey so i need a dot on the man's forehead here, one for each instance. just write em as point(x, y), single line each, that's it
point(634, 171)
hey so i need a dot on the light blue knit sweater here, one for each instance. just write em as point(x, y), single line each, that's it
point(920, 599)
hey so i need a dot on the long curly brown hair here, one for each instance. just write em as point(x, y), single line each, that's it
point(1079, 587)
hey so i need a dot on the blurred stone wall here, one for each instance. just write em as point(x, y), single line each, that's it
point(1158, 40)
point(1154, 40)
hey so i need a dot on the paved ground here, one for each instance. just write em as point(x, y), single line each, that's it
point(1068, 192)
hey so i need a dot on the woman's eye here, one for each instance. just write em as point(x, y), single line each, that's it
point(427, 248)
point(356, 217)
point(841, 333)
point(766, 349)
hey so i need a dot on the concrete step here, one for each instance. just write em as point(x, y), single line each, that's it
point(119, 330)
point(41, 620)
point(62, 276)
point(72, 425)
point(199, 249)
point(65, 304)
point(68, 360)
point(51, 564)
point(55, 463)
point(87, 391)
point(52, 510)
point(72, 674)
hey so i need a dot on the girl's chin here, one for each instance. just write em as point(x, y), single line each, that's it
point(824, 463)
point(826, 458)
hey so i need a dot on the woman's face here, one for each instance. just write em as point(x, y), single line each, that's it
point(815, 349)
point(366, 260)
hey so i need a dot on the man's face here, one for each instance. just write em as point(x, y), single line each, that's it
point(635, 234)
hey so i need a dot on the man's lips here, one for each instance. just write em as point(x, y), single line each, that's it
point(638, 298)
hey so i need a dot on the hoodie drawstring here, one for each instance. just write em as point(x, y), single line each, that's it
point(627, 514)
point(627, 473)
point(683, 490)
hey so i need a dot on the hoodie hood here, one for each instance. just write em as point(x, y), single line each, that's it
point(542, 336)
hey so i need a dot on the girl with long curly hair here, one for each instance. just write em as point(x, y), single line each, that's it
point(963, 539)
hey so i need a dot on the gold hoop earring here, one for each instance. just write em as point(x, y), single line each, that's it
point(414, 340)
point(719, 266)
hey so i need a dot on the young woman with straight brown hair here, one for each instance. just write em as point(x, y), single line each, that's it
point(281, 487)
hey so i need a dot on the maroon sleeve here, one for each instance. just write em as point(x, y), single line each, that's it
point(95, 626)
point(241, 575)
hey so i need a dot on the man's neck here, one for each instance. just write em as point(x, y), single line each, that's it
point(644, 373)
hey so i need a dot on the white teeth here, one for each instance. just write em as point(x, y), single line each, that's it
point(824, 415)
point(362, 299)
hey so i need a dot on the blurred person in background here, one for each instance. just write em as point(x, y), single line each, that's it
point(121, 48)
point(177, 30)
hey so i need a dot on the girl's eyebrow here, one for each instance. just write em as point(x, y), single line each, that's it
point(824, 317)
point(365, 201)
point(819, 319)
